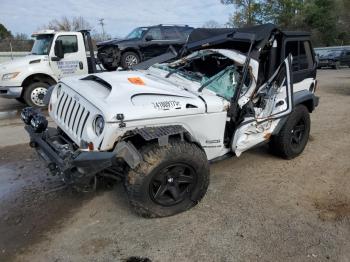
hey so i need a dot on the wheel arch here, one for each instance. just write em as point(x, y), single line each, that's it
point(159, 134)
point(306, 98)
point(38, 77)
point(131, 49)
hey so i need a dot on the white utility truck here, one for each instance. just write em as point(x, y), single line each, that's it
point(54, 55)
point(156, 129)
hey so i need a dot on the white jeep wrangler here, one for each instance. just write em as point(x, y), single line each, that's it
point(159, 128)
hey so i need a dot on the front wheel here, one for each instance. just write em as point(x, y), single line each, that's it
point(292, 139)
point(34, 94)
point(129, 59)
point(169, 180)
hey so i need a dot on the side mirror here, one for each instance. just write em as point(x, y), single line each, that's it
point(149, 38)
point(59, 53)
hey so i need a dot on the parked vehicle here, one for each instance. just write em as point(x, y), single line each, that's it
point(335, 58)
point(141, 44)
point(54, 55)
point(157, 129)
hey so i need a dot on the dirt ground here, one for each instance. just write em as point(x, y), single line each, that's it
point(257, 208)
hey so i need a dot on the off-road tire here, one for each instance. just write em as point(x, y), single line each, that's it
point(124, 58)
point(156, 159)
point(27, 94)
point(281, 144)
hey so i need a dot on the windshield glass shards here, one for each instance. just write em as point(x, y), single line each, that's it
point(212, 70)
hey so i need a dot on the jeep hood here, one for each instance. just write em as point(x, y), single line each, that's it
point(139, 95)
point(20, 63)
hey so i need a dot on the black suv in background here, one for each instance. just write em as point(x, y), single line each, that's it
point(141, 44)
point(335, 58)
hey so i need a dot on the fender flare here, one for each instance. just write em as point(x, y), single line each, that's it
point(37, 77)
point(128, 150)
point(306, 98)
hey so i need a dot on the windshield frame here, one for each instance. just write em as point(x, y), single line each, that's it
point(47, 36)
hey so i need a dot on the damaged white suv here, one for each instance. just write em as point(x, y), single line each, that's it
point(158, 128)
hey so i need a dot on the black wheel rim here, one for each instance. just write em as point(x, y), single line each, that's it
point(173, 184)
point(298, 133)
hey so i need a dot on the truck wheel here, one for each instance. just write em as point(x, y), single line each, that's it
point(129, 59)
point(34, 94)
point(293, 137)
point(169, 180)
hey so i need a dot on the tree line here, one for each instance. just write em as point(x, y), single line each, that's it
point(63, 24)
point(327, 20)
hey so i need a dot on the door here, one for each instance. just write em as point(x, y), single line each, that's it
point(74, 61)
point(303, 64)
point(272, 102)
point(153, 43)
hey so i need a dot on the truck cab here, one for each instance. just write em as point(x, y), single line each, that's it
point(54, 55)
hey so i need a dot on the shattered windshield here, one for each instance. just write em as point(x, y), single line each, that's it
point(42, 45)
point(210, 69)
point(137, 33)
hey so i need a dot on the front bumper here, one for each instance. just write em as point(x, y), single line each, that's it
point(75, 165)
point(63, 159)
point(109, 56)
point(10, 91)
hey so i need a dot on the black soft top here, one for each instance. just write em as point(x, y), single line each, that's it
point(259, 35)
point(256, 33)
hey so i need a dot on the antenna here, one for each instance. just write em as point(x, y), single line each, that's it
point(102, 25)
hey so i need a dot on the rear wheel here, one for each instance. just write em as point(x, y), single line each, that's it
point(169, 180)
point(34, 94)
point(293, 137)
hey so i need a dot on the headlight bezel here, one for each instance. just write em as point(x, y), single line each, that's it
point(98, 125)
point(9, 76)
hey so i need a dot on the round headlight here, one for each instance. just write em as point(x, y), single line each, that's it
point(99, 125)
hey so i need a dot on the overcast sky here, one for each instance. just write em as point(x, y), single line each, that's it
point(121, 16)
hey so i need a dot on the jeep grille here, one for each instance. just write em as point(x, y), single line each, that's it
point(71, 114)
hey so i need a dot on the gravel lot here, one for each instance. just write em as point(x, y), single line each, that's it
point(258, 207)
